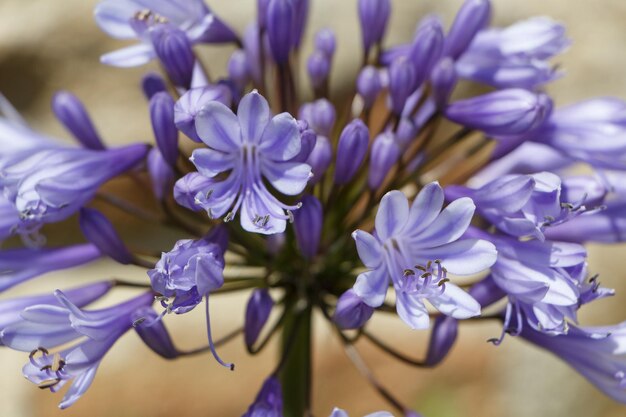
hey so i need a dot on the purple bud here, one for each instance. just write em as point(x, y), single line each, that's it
point(257, 312)
point(238, 69)
point(426, 49)
point(308, 221)
point(173, 49)
point(325, 42)
point(320, 115)
point(73, 115)
point(163, 126)
point(251, 45)
point(368, 85)
point(161, 174)
point(443, 80)
point(486, 292)
point(151, 84)
point(261, 9)
point(269, 400)
point(401, 83)
point(351, 150)
point(504, 112)
point(320, 158)
point(192, 102)
point(280, 28)
point(153, 333)
point(442, 338)
point(351, 312)
point(473, 16)
point(384, 154)
point(99, 231)
point(373, 15)
point(301, 13)
point(308, 140)
point(318, 68)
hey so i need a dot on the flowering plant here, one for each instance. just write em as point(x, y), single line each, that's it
point(392, 199)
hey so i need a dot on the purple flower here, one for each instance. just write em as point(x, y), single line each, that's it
point(188, 273)
point(308, 222)
point(163, 126)
point(442, 338)
point(368, 85)
point(10, 309)
point(154, 334)
point(373, 16)
point(47, 326)
point(19, 265)
point(351, 150)
point(319, 158)
point(320, 115)
point(250, 146)
point(189, 105)
point(45, 182)
point(100, 231)
point(593, 131)
point(522, 205)
point(515, 56)
point(258, 311)
point(151, 84)
point(501, 113)
point(173, 49)
point(598, 353)
point(161, 174)
point(443, 80)
point(269, 400)
point(281, 28)
point(385, 152)
point(132, 19)
point(413, 248)
point(473, 16)
point(318, 68)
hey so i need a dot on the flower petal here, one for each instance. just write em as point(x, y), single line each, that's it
point(289, 178)
point(369, 249)
point(253, 114)
point(210, 162)
point(412, 310)
point(392, 215)
point(218, 127)
point(455, 302)
point(425, 208)
point(451, 223)
point(463, 257)
point(371, 286)
point(131, 56)
point(281, 140)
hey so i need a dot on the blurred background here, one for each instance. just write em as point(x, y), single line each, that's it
point(49, 45)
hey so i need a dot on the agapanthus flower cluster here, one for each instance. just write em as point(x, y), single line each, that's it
point(392, 198)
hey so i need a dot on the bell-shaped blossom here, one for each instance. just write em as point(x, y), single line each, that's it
point(47, 326)
point(72, 114)
point(597, 353)
point(269, 400)
point(473, 16)
point(189, 105)
point(133, 19)
point(414, 248)
point(515, 56)
point(11, 309)
point(19, 265)
point(501, 113)
point(593, 131)
point(522, 205)
point(258, 311)
point(187, 274)
point(250, 146)
point(48, 184)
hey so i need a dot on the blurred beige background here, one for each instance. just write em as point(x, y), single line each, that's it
point(47, 45)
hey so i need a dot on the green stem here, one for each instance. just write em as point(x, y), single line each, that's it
point(295, 371)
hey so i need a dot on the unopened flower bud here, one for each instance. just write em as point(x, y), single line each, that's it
point(320, 115)
point(269, 400)
point(325, 42)
point(238, 69)
point(318, 68)
point(308, 221)
point(153, 333)
point(384, 154)
point(351, 311)
point(368, 85)
point(373, 15)
point(486, 292)
point(257, 312)
point(401, 83)
point(173, 49)
point(188, 106)
point(280, 22)
point(319, 159)
point(351, 150)
point(151, 84)
point(163, 126)
point(161, 174)
point(99, 231)
point(442, 339)
point(443, 80)
point(426, 49)
point(71, 112)
point(505, 112)
point(473, 16)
